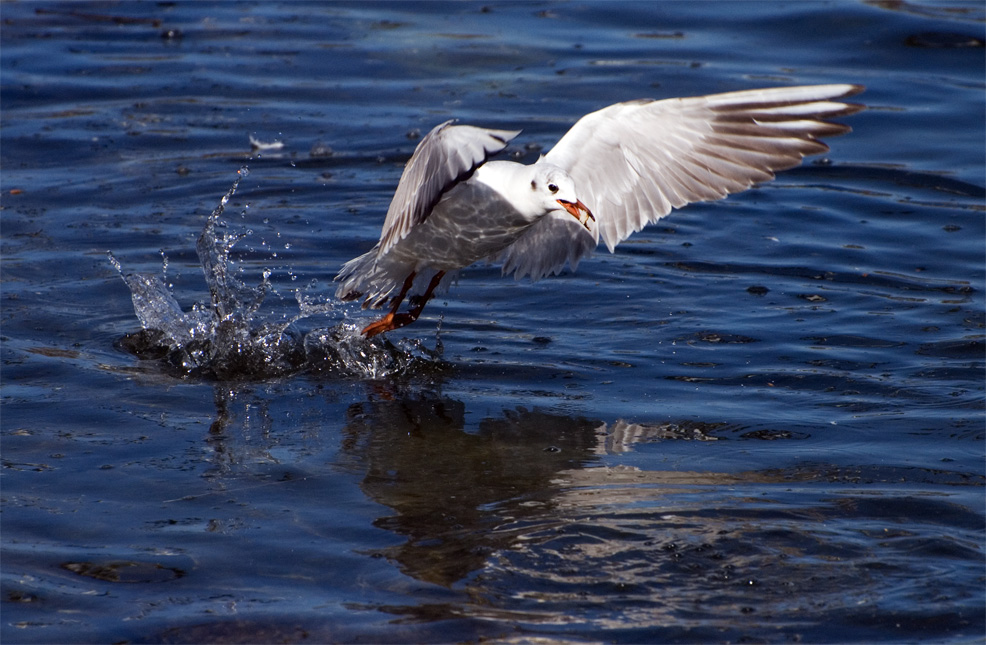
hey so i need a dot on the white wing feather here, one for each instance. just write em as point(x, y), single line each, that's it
point(634, 162)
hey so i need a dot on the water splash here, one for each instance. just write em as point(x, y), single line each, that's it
point(228, 338)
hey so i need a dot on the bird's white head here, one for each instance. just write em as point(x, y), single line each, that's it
point(553, 189)
point(536, 190)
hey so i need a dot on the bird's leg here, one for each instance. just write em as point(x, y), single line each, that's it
point(384, 324)
point(404, 289)
point(415, 311)
point(394, 320)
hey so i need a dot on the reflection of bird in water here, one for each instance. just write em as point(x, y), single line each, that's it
point(460, 494)
point(452, 490)
point(624, 166)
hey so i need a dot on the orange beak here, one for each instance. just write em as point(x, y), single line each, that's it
point(579, 211)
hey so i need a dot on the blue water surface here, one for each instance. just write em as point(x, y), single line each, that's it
point(760, 419)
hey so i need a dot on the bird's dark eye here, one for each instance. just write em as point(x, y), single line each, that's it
point(534, 185)
point(553, 188)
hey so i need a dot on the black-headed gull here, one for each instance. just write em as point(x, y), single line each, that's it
point(623, 167)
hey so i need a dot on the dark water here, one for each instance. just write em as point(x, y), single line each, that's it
point(760, 420)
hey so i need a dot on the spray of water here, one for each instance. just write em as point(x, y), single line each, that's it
point(229, 339)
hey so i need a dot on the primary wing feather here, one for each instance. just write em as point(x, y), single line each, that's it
point(634, 162)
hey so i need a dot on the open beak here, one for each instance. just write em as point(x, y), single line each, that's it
point(579, 211)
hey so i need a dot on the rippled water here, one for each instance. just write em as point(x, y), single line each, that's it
point(761, 419)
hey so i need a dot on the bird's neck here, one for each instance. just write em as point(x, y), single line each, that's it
point(512, 181)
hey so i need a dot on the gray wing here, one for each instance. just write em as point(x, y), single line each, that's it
point(633, 162)
point(446, 155)
point(547, 246)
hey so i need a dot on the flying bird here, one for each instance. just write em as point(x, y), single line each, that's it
point(614, 172)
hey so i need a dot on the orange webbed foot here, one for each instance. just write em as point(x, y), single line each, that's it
point(389, 322)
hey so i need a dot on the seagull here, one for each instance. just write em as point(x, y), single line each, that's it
point(614, 172)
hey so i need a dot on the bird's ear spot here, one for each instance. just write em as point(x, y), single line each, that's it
point(534, 185)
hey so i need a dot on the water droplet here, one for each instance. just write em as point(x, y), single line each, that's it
point(114, 261)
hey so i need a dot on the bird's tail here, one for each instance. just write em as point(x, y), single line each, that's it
point(354, 274)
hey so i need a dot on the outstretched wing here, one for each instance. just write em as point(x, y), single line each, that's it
point(633, 162)
point(446, 156)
